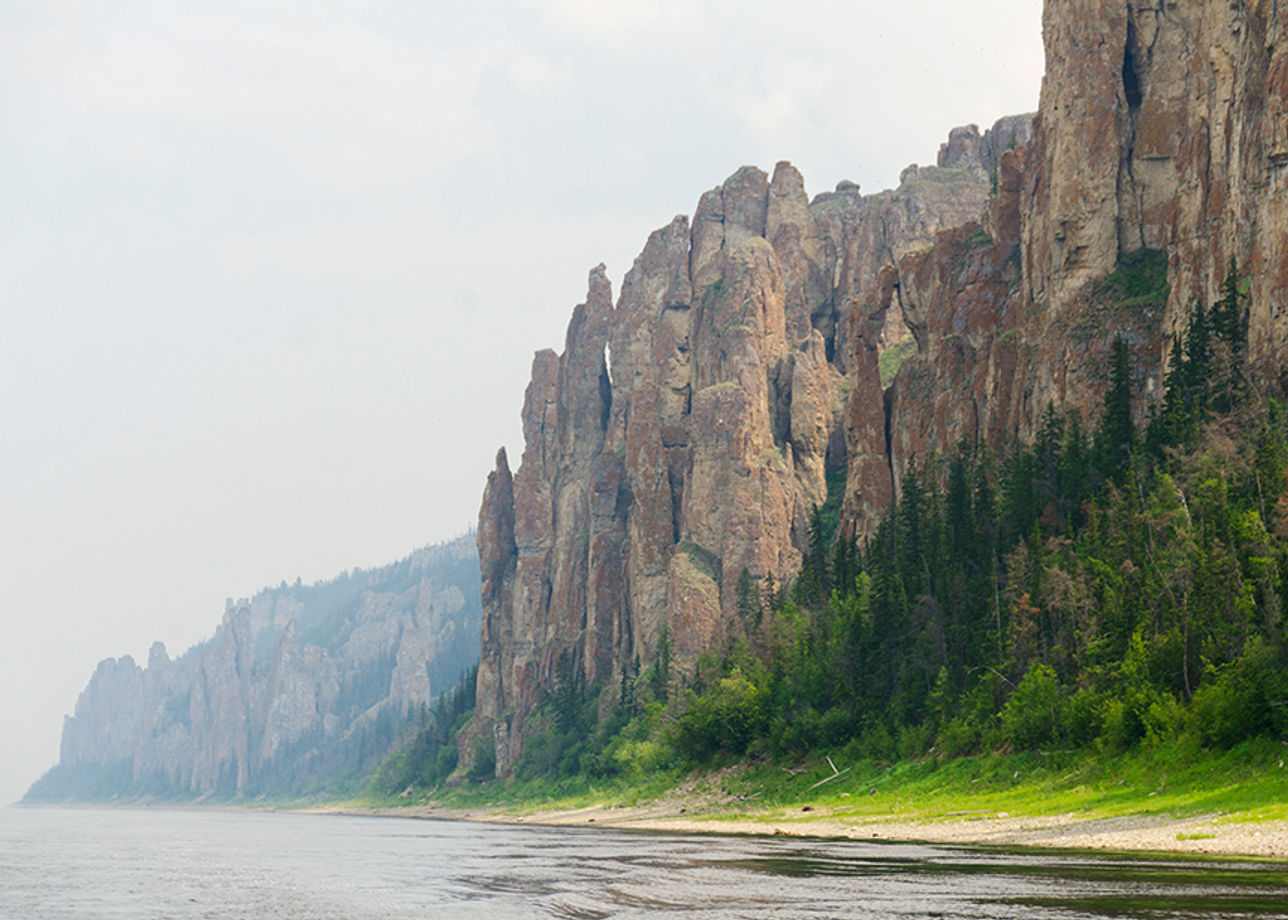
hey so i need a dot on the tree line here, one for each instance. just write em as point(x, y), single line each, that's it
point(1103, 587)
point(1097, 588)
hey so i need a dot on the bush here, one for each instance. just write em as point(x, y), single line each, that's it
point(875, 743)
point(1084, 716)
point(484, 766)
point(636, 758)
point(792, 734)
point(1121, 726)
point(915, 740)
point(836, 727)
point(1234, 703)
point(1162, 718)
point(974, 726)
point(1140, 278)
point(1034, 715)
point(726, 718)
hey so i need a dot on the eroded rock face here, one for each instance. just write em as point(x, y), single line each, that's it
point(745, 349)
point(1161, 126)
point(654, 476)
point(870, 232)
point(295, 677)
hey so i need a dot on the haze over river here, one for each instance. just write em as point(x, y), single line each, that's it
point(188, 863)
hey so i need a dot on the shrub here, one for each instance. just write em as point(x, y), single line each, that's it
point(1033, 716)
point(726, 718)
point(635, 758)
point(1234, 703)
point(1084, 716)
point(484, 766)
point(1139, 279)
point(974, 727)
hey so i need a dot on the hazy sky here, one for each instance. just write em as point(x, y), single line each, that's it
point(272, 272)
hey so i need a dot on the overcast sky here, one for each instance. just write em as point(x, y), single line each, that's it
point(272, 272)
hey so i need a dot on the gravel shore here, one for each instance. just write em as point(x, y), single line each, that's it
point(1210, 834)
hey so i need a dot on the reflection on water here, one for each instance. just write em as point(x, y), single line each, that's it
point(148, 863)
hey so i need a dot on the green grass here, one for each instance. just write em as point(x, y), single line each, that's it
point(528, 796)
point(1175, 780)
point(1244, 784)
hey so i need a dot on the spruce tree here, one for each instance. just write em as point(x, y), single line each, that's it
point(1117, 435)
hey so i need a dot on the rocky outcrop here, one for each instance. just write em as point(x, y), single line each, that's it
point(300, 685)
point(745, 350)
point(1161, 127)
point(684, 435)
point(870, 232)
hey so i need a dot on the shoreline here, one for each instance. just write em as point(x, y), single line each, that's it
point(1210, 835)
point(1203, 835)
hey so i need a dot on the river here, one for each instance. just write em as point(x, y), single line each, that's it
point(145, 863)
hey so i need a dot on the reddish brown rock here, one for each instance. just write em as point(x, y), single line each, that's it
point(868, 233)
point(655, 473)
point(806, 256)
point(1161, 125)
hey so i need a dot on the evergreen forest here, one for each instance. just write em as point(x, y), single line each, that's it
point(1107, 587)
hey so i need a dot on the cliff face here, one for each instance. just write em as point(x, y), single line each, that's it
point(742, 374)
point(685, 434)
point(1161, 126)
point(298, 686)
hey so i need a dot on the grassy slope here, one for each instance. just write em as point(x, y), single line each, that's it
point(1245, 784)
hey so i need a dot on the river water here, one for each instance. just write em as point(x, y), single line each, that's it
point(94, 864)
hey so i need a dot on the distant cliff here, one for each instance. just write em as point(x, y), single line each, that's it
point(300, 688)
point(675, 449)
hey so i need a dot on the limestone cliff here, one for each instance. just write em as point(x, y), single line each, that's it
point(300, 685)
point(742, 379)
point(686, 432)
point(1162, 126)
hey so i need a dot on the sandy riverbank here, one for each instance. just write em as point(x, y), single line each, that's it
point(1211, 834)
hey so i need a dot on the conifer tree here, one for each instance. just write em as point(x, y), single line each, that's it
point(1117, 435)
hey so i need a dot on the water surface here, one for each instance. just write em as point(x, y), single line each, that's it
point(94, 864)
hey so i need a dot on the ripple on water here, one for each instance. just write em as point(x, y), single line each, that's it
point(148, 864)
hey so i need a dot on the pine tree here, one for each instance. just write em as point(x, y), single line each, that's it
point(750, 604)
point(1176, 424)
point(1117, 435)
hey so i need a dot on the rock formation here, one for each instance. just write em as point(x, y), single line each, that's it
point(300, 685)
point(743, 379)
point(684, 435)
point(1161, 127)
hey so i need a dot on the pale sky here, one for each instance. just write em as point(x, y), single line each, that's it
point(272, 272)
